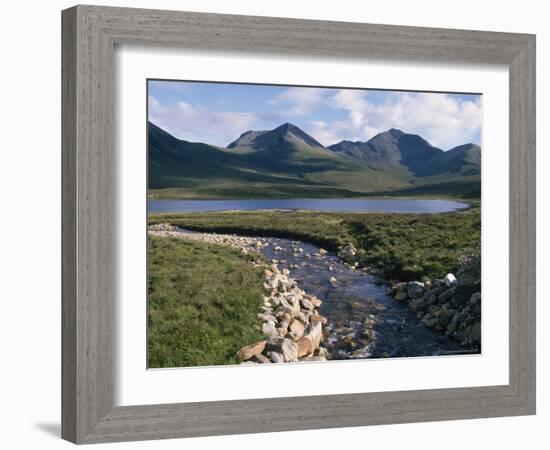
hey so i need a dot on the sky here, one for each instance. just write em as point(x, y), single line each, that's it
point(218, 113)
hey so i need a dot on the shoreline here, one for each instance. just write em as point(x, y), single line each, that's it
point(154, 196)
point(467, 204)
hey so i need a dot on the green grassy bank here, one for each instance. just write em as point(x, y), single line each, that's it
point(202, 303)
point(197, 189)
point(399, 246)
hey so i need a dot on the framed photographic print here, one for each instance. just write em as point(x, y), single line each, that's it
point(267, 229)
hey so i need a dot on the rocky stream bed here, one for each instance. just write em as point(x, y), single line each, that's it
point(317, 306)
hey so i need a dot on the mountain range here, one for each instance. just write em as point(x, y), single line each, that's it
point(288, 162)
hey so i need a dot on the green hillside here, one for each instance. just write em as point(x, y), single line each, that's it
point(286, 167)
point(286, 162)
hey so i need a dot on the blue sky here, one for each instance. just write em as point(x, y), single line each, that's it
point(217, 113)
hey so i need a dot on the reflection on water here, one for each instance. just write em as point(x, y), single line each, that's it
point(345, 204)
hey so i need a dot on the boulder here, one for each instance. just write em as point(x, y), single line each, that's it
point(307, 304)
point(297, 328)
point(282, 331)
point(251, 350)
point(315, 333)
point(294, 303)
point(286, 347)
point(475, 298)
point(332, 280)
point(446, 315)
point(430, 322)
point(275, 357)
point(305, 346)
point(432, 299)
point(267, 317)
point(315, 301)
point(446, 295)
point(268, 329)
point(300, 316)
point(314, 318)
point(322, 351)
point(450, 280)
point(401, 296)
point(400, 287)
point(283, 323)
point(417, 304)
point(415, 289)
point(261, 359)
point(285, 283)
point(348, 253)
point(274, 282)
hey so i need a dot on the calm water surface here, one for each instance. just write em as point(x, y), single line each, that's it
point(352, 205)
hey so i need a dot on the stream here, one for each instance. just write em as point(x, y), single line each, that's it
point(363, 321)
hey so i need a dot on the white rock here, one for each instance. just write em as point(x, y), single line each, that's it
point(450, 280)
point(284, 346)
point(348, 253)
point(307, 304)
point(269, 330)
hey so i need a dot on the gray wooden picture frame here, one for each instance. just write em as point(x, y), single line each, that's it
point(90, 34)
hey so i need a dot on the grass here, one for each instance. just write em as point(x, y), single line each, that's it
point(202, 303)
point(221, 189)
point(398, 246)
point(226, 189)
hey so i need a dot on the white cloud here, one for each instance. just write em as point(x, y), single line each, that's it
point(445, 121)
point(328, 133)
point(194, 123)
point(297, 101)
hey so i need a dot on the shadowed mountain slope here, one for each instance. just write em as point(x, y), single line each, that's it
point(409, 155)
point(287, 162)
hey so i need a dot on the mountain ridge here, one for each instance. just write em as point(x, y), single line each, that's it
point(261, 139)
point(288, 161)
point(410, 154)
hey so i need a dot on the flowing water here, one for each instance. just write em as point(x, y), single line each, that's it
point(363, 321)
